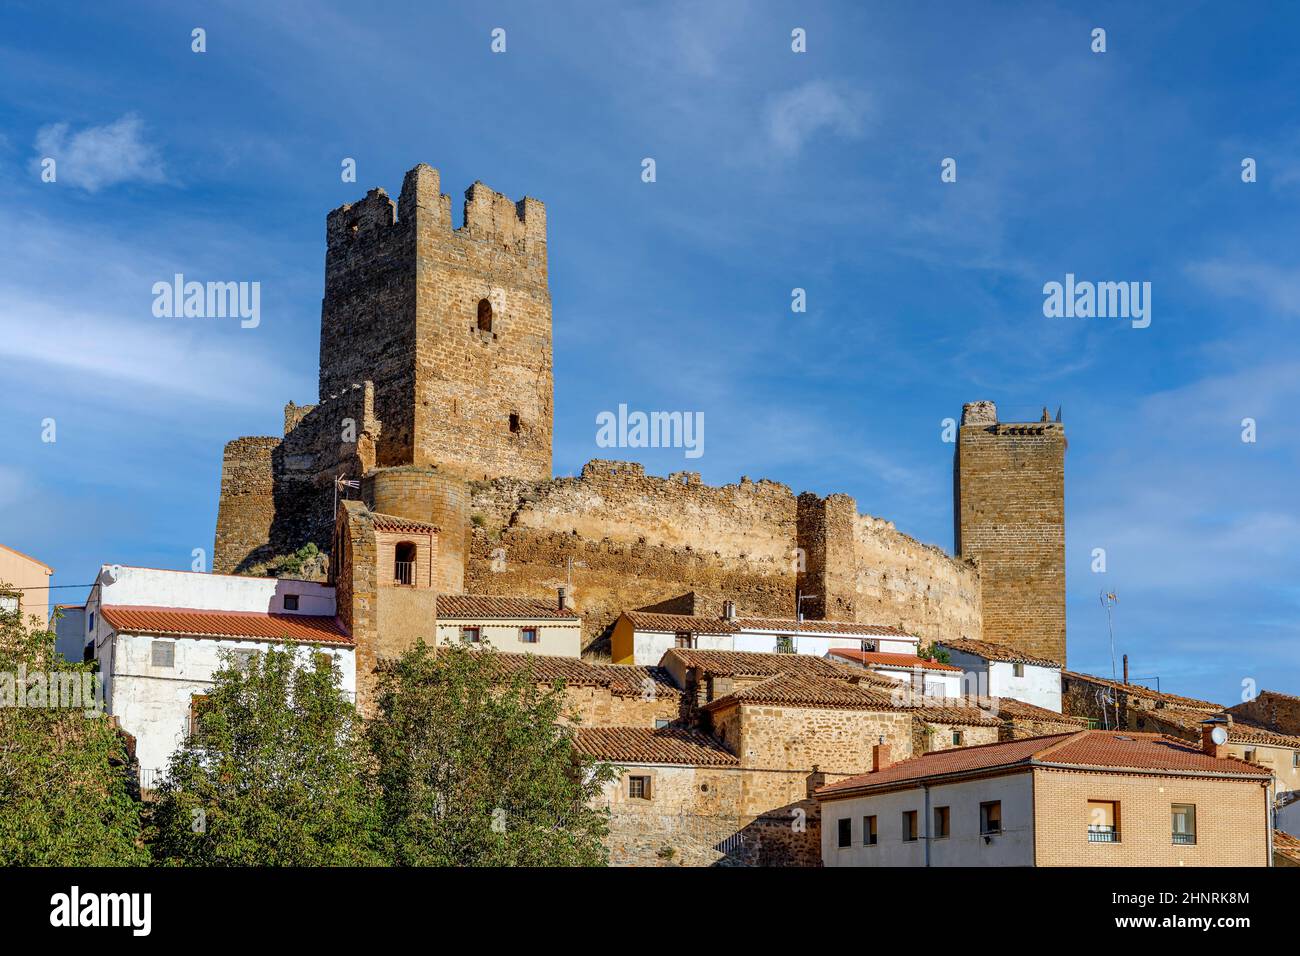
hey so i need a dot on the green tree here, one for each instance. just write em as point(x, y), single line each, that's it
point(475, 769)
point(65, 794)
point(274, 775)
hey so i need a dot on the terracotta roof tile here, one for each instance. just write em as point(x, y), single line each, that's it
point(671, 745)
point(383, 522)
point(1146, 693)
point(891, 660)
point(753, 663)
point(190, 622)
point(673, 623)
point(469, 606)
point(991, 651)
point(965, 716)
point(1109, 750)
point(1285, 845)
point(623, 680)
point(794, 689)
point(820, 627)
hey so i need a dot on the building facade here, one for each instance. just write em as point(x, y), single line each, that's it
point(1089, 798)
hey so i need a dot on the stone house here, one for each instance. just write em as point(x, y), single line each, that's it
point(1089, 798)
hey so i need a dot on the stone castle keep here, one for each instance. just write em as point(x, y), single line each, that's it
point(436, 396)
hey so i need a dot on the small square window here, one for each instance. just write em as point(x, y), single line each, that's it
point(845, 832)
point(684, 639)
point(291, 602)
point(660, 723)
point(991, 817)
point(869, 831)
point(8, 603)
point(785, 644)
point(528, 635)
point(638, 788)
point(163, 653)
point(1018, 669)
point(471, 635)
point(956, 738)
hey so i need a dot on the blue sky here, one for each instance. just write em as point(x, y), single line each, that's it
point(775, 170)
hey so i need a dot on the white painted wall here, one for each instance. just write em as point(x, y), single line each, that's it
point(964, 846)
point(649, 647)
point(210, 592)
point(554, 638)
point(817, 645)
point(153, 703)
point(937, 683)
point(1039, 685)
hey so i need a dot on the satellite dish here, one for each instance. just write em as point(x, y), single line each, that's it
point(1219, 736)
point(111, 572)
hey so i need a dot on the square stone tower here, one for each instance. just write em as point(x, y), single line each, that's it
point(453, 326)
point(1009, 511)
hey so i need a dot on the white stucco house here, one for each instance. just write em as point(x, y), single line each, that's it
point(158, 637)
point(642, 637)
point(1002, 671)
point(932, 678)
point(515, 625)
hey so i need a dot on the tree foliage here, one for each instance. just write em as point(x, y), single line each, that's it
point(474, 767)
point(274, 774)
point(65, 795)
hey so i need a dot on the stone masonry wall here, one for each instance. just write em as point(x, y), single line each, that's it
point(1009, 485)
point(636, 540)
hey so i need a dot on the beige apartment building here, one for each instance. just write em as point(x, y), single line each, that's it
point(511, 624)
point(1089, 798)
point(24, 585)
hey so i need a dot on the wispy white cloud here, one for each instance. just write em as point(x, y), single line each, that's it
point(792, 118)
point(100, 156)
point(1273, 286)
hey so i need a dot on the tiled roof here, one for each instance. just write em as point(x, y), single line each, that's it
point(1005, 707)
point(1285, 845)
point(383, 522)
point(1146, 693)
point(754, 663)
point(673, 623)
point(995, 652)
point(672, 745)
point(881, 658)
point(1105, 749)
point(1241, 731)
point(623, 680)
point(794, 689)
point(965, 716)
point(258, 625)
point(470, 606)
point(819, 627)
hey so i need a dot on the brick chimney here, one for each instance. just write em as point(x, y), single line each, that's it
point(1208, 728)
point(880, 756)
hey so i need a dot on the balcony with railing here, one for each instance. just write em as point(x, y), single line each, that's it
point(1102, 834)
point(1184, 839)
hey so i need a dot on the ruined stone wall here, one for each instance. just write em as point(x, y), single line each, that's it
point(637, 540)
point(1009, 486)
point(634, 540)
point(1277, 712)
point(246, 508)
